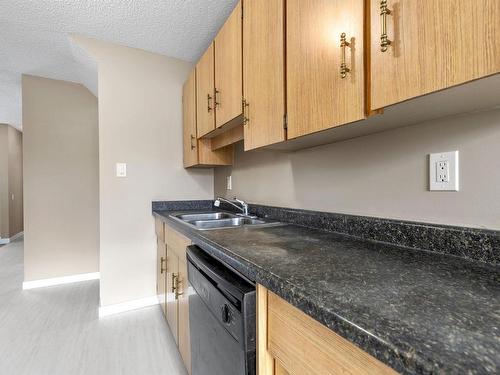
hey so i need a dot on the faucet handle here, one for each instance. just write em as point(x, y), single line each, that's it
point(240, 201)
point(244, 205)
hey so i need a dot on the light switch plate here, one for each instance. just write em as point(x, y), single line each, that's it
point(121, 169)
point(443, 171)
point(229, 183)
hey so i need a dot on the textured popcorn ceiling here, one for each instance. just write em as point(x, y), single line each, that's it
point(34, 37)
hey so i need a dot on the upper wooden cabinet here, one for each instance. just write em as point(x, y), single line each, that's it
point(263, 72)
point(205, 103)
point(198, 152)
point(325, 67)
point(433, 45)
point(305, 66)
point(189, 121)
point(228, 69)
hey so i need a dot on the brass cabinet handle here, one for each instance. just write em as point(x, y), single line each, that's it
point(216, 95)
point(209, 102)
point(162, 261)
point(177, 287)
point(384, 40)
point(192, 139)
point(245, 105)
point(343, 66)
point(173, 282)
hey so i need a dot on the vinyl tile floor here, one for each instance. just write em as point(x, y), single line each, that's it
point(56, 330)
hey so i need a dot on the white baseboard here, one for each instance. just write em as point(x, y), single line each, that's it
point(16, 236)
point(5, 241)
point(127, 306)
point(60, 280)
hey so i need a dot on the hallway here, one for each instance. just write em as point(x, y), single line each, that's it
point(56, 330)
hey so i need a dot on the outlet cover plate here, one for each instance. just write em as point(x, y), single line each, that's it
point(121, 169)
point(443, 171)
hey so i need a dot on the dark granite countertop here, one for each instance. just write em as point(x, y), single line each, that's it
point(417, 311)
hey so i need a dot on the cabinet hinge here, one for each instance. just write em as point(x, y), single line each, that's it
point(285, 121)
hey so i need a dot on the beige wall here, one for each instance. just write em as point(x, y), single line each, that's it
point(140, 123)
point(15, 181)
point(4, 182)
point(60, 136)
point(384, 175)
point(11, 185)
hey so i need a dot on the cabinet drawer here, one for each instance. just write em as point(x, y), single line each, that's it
point(176, 242)
point(304, 346)
point(160, 229)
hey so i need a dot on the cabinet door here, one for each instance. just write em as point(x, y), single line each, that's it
point(433, 45)
point(160, 272)
point(298, 344)
point(198, 152)
point(263, 72)
point(171, 300)
point(319, 95)
point(228, 69)
point(205, 106)
point(184, 342)
point(189, 121)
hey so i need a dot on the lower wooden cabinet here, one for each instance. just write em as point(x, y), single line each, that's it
point(173, 286)
point(161, 272)
point(172, 306)
point(291, 342)
point(183, 308)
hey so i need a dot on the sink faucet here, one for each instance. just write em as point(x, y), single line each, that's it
point(243, 208)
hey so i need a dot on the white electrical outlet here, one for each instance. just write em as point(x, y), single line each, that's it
point(443, 171)
point(121, 169)
point(229, 183)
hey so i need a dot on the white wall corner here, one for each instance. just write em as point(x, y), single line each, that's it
point(60, 280)
point(127, 306)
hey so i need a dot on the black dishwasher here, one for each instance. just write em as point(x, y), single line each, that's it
point(221, 318)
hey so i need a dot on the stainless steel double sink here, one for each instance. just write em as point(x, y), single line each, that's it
point(219, 220)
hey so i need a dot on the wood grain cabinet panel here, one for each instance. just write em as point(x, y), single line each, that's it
point(161, 272)
point(190, 143)
point(263, 72)
point(172, 281)
point(205, 83)
point(228, 69)
point(198, 152)
point(178, 292)
point(160, 229)
point(183, 300)
point(172, 307)
point(433, 45)
point(291, 342)
point(319, 96)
